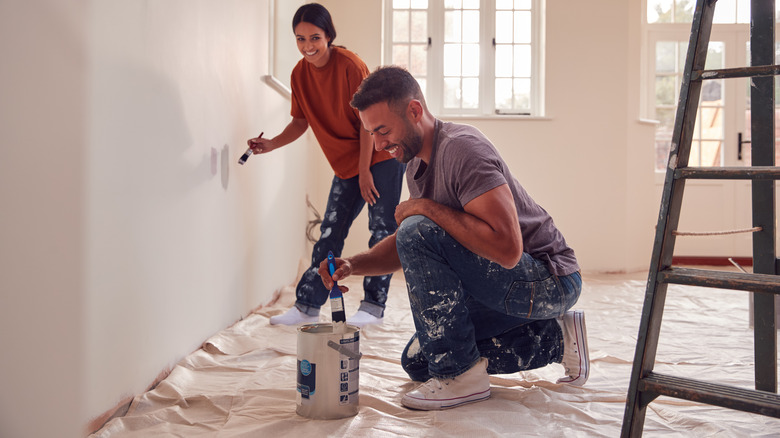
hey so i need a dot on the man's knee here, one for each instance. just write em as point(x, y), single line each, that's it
point(413, 229)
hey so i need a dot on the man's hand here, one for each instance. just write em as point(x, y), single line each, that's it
point(343, 270)
point(411, 207)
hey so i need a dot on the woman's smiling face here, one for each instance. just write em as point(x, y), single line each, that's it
point(313, 43)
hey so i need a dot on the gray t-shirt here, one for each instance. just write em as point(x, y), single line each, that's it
point(464, 165)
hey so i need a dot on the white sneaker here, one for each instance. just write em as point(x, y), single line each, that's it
point(293, 317)
point(435, 394)
point(575, 348)
point(361, 318)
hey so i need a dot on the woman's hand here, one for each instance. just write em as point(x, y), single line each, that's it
point(261, 145)
point(367, 188)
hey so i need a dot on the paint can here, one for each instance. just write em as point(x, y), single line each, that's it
point(328, 371)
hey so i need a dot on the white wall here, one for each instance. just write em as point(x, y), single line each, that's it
point(130, 233)
point(42, 162)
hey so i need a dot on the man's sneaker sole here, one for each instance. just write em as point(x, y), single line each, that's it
point(581, 337)
point(446, 403)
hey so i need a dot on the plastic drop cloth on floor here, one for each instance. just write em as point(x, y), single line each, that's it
point(242, 383)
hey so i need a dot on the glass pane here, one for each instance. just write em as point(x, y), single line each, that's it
point(503, 4)
point(659, 11)
point(400, 4)
point(712, 91)
point(522, 27)
point(423, 84)
point(503, 61)
point(504, 94)
point(470, 4)
point(400, 26)
point(663, 135)
point(452, 21)
point(453, 4)
point(504, 29)
point(683, 11)
point(711, 153)
point(665, 55)
point(522, 94)
point(470, 93)
point(523, 61)
point(452, 60)
point(470, 60)
point(711, 122)
point(452, 92)
point(725, 12)
point(419, 26)
point(695, 157)
point(470, 26)
point(419, 4)
point(401, 55)
point(682, 53)
point(714, 55)
point(523, 4)
point(743, 11)
point(665, 90)
point(418, 63)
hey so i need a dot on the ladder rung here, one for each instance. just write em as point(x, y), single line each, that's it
point(747, 400)
point(751, 172)
point(739, 72)
point(721, 279)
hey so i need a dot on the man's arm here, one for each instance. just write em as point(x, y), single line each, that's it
point(381, 259)
point(488, 226)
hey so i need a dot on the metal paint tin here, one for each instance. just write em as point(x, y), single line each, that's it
point(327, 371)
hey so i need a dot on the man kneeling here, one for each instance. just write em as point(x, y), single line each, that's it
point(490, 277)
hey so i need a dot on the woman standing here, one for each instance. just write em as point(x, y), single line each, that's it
point(322, 84)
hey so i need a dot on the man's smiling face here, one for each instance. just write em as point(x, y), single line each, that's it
point(392, 132)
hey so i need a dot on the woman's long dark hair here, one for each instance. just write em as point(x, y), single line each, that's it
point(316, 14)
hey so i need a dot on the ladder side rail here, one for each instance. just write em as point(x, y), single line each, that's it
point(762, 108)
point(655, 296)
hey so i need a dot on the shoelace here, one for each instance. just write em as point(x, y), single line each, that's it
point(433, 381)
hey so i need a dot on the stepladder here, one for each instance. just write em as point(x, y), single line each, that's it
point(645, 384)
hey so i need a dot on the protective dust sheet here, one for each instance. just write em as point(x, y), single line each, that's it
point(242, 383)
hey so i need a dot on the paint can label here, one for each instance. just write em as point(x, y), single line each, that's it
point(307, 378)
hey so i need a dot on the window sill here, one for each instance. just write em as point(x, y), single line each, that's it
point(496, 117)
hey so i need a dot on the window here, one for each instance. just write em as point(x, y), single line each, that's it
point(471, 57)
point(723, 110)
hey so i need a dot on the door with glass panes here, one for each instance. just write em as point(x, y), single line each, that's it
point(721, 138)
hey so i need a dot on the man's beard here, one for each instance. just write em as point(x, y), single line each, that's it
point(411, 145)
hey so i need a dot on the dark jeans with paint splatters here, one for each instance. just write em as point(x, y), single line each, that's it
point(466, 307)
point(344, 205)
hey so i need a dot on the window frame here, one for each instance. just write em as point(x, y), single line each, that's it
point(434, 57)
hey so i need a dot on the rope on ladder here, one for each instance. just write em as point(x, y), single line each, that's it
point(716, 233)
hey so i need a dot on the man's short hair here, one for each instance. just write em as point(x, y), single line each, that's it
point(390, 84)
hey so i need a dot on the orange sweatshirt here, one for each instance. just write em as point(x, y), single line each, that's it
point(322, 96)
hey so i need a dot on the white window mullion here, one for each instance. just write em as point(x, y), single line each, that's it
point(538, 72)
point(487, 60)
point(435, 56)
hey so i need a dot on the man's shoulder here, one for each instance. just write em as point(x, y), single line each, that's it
point(461, 136)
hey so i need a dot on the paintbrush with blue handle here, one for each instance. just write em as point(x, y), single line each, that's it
point(336, 299)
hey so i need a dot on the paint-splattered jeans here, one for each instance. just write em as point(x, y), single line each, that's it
point(466, 307)
point(344, 205)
